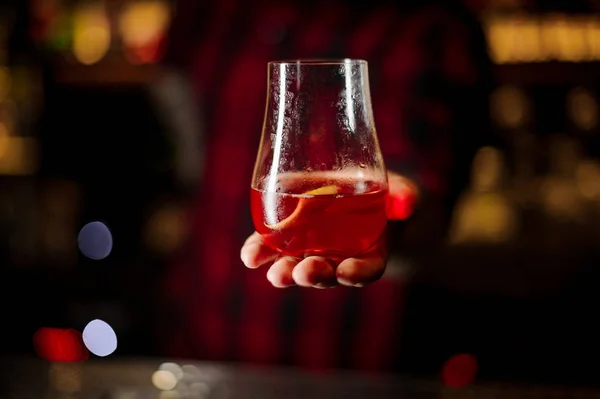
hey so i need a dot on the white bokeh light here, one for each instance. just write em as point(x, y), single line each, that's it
point(99, 338)
point(164, 380)
point(174, 368)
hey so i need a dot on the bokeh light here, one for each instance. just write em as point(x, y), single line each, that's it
point(143, 25)
point(459, 370)
point(100, 338)
point(523, 38)
point(95, 240)
point(191, 373)
point(165, 230)
point(91, 34)
point(587, 177)
point(164, 380)
point(488, 169)
point(173, 368)
point(60, 345)
point(593, 37)
point(582, 108)
point(560, 199)
point(510, 107)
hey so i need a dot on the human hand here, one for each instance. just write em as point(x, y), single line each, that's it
point(320, 272)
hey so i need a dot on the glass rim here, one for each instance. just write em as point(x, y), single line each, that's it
point(319, 61)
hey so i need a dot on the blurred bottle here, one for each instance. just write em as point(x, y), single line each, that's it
point(560, 198)
point(484, 214)
point(510, 107)
point(582, 109)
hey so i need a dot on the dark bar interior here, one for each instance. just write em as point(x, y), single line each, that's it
point(129, 132)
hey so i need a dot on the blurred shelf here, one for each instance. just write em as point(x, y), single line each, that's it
point(548, 73)
point(112, 71)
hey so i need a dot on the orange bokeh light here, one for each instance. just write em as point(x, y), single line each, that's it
point(148, 53)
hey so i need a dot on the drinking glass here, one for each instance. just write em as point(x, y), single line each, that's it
point(319, 185)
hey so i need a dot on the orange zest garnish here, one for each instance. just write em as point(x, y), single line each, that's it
point(302, 205)
point(327, 190)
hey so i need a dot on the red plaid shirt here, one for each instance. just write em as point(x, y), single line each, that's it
point(426, 69)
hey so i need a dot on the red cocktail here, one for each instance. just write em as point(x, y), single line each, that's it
point(315, 215)
point(320, 184)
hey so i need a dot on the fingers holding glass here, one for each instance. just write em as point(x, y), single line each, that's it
point(280, 273)
point(355, 272)
point(316, 272)
point(255, 253)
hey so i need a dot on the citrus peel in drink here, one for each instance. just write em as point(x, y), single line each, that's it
point(303, 204)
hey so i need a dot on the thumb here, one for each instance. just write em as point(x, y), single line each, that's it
point(402, 198)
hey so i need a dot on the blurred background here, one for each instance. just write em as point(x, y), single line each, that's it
point(100, 121)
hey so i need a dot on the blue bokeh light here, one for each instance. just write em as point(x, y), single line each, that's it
point(95, 240)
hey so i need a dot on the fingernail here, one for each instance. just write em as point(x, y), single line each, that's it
point(345, 282)
point(244, 257)
point(323, 286)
